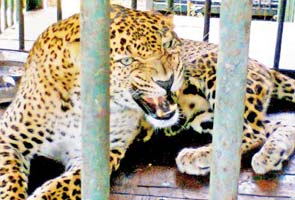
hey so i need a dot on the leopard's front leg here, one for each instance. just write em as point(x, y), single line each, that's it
point(124, 128)
point(14, 169)
point(66, 186)
point(196, 161)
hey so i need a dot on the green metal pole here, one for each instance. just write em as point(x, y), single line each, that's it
point(59, 10)
point(21, 26)
point(235, 20)
point(169, 5)
point(95, 72)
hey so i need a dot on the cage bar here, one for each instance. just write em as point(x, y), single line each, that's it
point(11, 12)
point(235, 20)
point(5, 8)
point(134, 4)
point(281, 17)
point(21, 25)
point(95, 51)
point(207, 15)
point(59, 10)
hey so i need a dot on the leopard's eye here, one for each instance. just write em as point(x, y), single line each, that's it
point(127, 61)
point(168, 44)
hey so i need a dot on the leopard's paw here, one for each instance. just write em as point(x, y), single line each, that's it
point(278, 148)
point(194, 161)
point(267, 159)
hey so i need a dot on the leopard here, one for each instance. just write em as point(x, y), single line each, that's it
point(44, 119)
point(196, 100)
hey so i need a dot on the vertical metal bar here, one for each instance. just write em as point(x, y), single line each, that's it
point(169, 5)
point(21, 26)
point(59, 10)
point(134, 4)
point(280, 30)
point(95, 72)
point(11, 11)
point(5, 14)
point(16, 11)
point(207, 15)
point(235, 20)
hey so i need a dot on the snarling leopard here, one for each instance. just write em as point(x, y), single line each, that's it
point(45, 116)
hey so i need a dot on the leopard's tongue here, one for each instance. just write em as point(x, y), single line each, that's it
point(160, 105)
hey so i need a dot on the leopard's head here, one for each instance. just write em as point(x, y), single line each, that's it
point(146, 70)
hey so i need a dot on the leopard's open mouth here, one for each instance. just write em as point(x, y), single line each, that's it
point(160, 111)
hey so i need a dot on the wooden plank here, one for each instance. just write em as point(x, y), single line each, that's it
point(168, 183)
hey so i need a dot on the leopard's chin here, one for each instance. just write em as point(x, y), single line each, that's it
point(160, 111)
point(162, 123)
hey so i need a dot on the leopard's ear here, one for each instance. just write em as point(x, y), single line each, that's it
point(74, 50)
point(169, 19)
point(165, 15)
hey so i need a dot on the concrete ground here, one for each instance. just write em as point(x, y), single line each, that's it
point(262, 39)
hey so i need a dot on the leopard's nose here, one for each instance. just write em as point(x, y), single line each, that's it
point(167, 84)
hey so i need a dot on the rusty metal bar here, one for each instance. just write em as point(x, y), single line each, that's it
point(235, 20)
point(59, 10)
point(134, 4)
point(170, 5)
point(21, 25)
point(95, 72)
point(282, 12)
point(207, 15)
